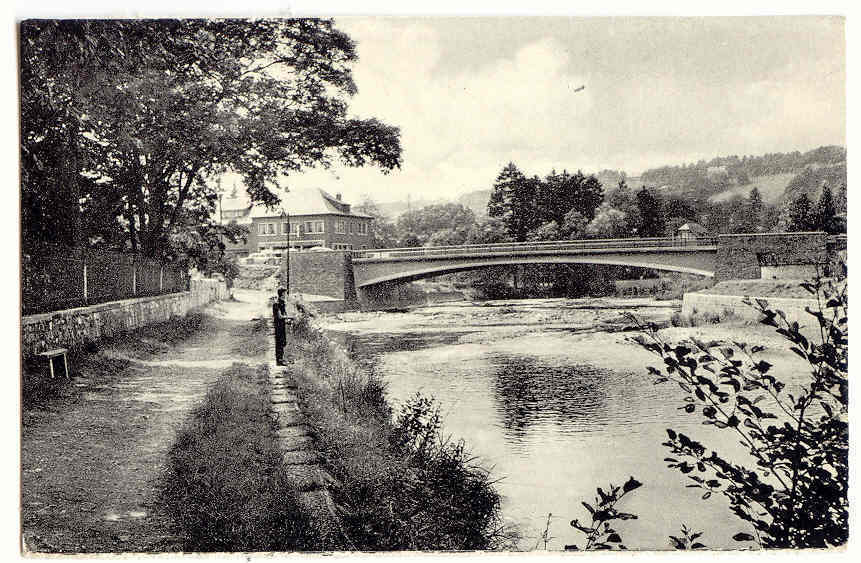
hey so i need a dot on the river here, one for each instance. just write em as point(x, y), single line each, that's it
point(555, 401)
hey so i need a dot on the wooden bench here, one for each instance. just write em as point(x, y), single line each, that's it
point(51, 354)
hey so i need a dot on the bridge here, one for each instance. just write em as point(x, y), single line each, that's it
point(373, 267)
point(371, 274)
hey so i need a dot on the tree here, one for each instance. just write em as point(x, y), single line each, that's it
point(841, 199)
point(755, 208)
point(558, 194)
point(802, 217)
point(425, 222)
point(384, 231)
point(794, 495)
point(265, 98)
point(826, 212)
point(513, 200)
point(573, 225)
point(545, 231)
point(489, 231)
point(652, 221)
point(609, 222)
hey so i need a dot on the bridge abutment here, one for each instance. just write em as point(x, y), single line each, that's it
point(770, 255)
point(327, 273)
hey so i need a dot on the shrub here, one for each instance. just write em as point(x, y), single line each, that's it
point(795, 493)
point(401, 486)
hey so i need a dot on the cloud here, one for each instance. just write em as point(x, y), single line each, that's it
point(657, 92)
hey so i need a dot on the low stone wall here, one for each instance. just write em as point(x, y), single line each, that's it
point(705, 303)
point(75, 328)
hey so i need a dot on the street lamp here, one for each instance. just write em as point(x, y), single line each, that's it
point(286, 216)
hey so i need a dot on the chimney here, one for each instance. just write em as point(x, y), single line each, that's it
point(338, 196)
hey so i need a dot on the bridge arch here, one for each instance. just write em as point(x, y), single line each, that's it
point(366, 277)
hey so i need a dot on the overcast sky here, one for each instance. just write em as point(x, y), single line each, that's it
point(471, 94)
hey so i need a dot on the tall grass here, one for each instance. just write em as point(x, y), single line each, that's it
point(401, 485)
point(697, 318)
point(666, 288)
point(225, 485)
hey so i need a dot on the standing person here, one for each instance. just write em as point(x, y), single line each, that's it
point(279, 318)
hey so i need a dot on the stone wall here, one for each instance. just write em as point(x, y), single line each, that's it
point(75, 328)
point(327, 273)
point(741, 257)
point(706, 303)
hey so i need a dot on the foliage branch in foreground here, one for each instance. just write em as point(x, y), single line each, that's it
point(795, 493)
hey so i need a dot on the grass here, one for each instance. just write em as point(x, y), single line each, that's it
point(697, 318)
point(671, 287)
point(402, 487)
point(225, 485)
point(771, 187)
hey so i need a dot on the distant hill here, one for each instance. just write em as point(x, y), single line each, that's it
point(776, 175)
point(476, 201)
point(723, 177)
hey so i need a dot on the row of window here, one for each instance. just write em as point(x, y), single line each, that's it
point(356, 227)
point(311, 227)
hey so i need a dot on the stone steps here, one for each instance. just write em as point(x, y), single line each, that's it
point(302, 462)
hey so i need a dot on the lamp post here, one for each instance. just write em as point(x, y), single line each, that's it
point(286, 216)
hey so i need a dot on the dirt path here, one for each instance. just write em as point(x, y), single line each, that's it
point(91, 458)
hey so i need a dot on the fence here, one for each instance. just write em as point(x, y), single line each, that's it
point(55, 277)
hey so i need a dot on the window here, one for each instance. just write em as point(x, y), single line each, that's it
point(340, 227)
point(363, 228)
point(270, 228)
point(285, 228)
point(314, 226)
point(352, 226)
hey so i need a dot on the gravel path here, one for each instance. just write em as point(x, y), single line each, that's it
point(91, 458)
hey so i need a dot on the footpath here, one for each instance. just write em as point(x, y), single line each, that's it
point(91, 458)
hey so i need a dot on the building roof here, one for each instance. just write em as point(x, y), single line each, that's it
point(234, 204)
point(694, 228)
point(313, 201)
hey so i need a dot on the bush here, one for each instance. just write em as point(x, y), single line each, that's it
point(401, 485)
point(225, 484)
point(795, 493)
point(697, 318)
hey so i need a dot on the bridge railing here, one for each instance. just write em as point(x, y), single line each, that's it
point(548, 246)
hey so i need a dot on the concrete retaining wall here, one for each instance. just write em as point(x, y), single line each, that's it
point(75, 328)
point(704, 303)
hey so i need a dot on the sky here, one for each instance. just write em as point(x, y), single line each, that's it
point(472, 94)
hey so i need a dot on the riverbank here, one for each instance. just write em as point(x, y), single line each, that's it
point(397, 483)
point(557, 396)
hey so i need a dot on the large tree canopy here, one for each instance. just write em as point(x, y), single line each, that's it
point(135, 120)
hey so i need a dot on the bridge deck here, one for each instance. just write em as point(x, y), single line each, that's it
point(552, 247)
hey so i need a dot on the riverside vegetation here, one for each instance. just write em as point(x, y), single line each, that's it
point(795, 493)
point(402, 485)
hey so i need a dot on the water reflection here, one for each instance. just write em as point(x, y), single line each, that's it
point(528, 391)
point(553, 427)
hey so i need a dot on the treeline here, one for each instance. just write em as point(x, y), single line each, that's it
point(565, 206)
point(715, 175)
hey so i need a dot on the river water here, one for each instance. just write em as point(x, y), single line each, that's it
point(555, 401)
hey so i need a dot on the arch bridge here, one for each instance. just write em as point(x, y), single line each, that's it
point(695, 256)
